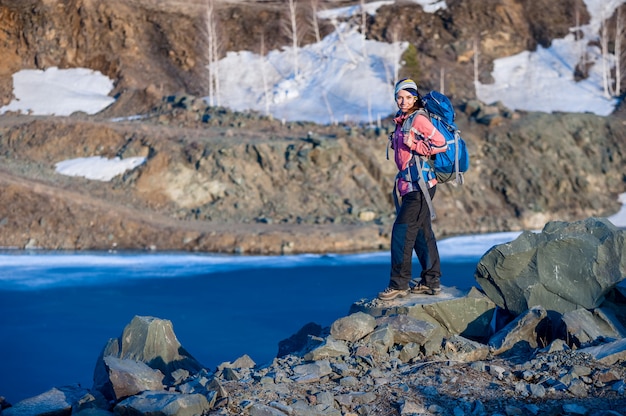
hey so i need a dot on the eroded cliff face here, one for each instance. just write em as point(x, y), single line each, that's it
point(220, 181)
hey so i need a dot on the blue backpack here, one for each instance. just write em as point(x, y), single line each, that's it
point(451, 164)
point(447, 166)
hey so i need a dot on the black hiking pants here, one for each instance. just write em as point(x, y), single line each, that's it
point(412, 230)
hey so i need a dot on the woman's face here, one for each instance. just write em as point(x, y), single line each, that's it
point(405, 100)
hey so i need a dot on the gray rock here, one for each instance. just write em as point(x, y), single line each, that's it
point(556, 345)
point(407, 329)
point(258, 409)
point(609, 353)
point(574, 409)
point(349, 381)
point(584, 327)
point(523, 332)
point(566, 266)
point(329, 348)
point(242, 362)
point(300, 341)
point(462, 349)
point(353, 327)
point(55, 402)
point(163, 404)
point(311, 372)
point(409, 407)
point(469, 316)
point(153, 342)
point(537, 390)
point(282, 407)
point(577, 388)
point(301, 408)
point(410, 351)
point(126, 378)
point(468, 313)
point(511, 410)
point(94, 400)
point(179, 376)
point(325, 398)
point(381, 339)
point(230, 374)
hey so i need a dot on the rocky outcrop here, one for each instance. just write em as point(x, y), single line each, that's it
point(389, 370)
point(455, 353)
point(145, 355)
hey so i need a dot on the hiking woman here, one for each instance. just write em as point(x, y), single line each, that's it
point(414, 136)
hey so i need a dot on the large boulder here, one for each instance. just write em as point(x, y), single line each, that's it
point(151, 341)
point(564, 267)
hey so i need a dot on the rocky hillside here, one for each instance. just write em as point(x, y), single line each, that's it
point(221, 181)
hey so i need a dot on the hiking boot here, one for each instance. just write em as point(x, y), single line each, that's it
point(390, 293)
point(422, 289)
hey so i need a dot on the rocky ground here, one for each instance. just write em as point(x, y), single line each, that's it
point(321, 375)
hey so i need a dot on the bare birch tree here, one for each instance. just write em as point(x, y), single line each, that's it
point(365, 56)
point(213, 55)
point(293, 33)
point(442, 83)
point(331, 114)
point(581, 45)
point(315, 5)
point(343, 42)
point(266, 92)
point(394, 34)
point(606, 69)
point(475, 59)
point(363, 27)
point(620, 34)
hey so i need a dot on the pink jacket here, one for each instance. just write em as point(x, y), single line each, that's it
point(423, 139)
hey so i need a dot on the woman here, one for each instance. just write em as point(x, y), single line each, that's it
point(413, 141)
